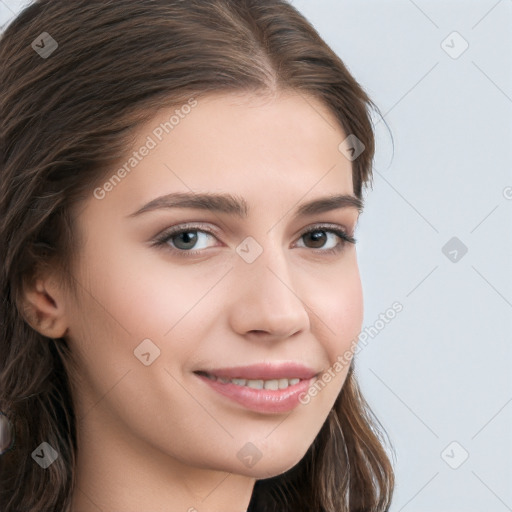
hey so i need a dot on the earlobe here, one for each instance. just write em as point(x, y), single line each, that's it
point(43, 309)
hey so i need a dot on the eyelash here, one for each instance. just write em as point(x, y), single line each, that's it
point(163, 239)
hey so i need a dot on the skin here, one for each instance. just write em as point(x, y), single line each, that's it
point(156, 437)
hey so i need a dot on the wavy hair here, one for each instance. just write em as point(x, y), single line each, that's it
point(65, 119)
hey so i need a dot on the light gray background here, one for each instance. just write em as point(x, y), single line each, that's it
point(441, 370)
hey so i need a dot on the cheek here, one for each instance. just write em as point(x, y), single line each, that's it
point(340, 314)
point(143, 293)
point(126, 301)
point(339, 306)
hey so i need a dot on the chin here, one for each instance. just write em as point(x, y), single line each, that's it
point(268, 467)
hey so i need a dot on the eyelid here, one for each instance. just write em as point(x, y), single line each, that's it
point(325, 225)
point(194, 226)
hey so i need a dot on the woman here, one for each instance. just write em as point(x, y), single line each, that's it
point(180, 187)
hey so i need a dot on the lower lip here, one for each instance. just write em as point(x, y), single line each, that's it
point(261, 400)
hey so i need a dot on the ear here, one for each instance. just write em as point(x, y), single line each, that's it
point(44, 307)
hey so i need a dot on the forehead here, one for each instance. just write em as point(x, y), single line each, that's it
point(253, 146)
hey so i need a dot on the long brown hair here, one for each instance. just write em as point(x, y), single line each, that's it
point(65, 119)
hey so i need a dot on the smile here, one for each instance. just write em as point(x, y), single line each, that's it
point(263, 388)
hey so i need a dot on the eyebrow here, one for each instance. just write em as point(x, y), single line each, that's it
point(227, 203)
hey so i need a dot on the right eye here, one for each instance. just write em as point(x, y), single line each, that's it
point(180, 239)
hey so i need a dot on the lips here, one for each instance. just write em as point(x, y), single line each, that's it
point(263, 371)
point(264, 388)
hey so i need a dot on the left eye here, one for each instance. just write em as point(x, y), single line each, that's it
point(181, 240)
point(320, 236)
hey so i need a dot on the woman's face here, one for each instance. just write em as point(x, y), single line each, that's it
point(242, 294)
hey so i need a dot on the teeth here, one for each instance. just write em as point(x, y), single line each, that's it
point(273, 384)
point(283, 383)
point(255, 384)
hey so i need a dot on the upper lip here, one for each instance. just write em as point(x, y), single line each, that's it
point(264, 371)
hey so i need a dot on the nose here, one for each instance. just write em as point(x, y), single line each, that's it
point(265, 301)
